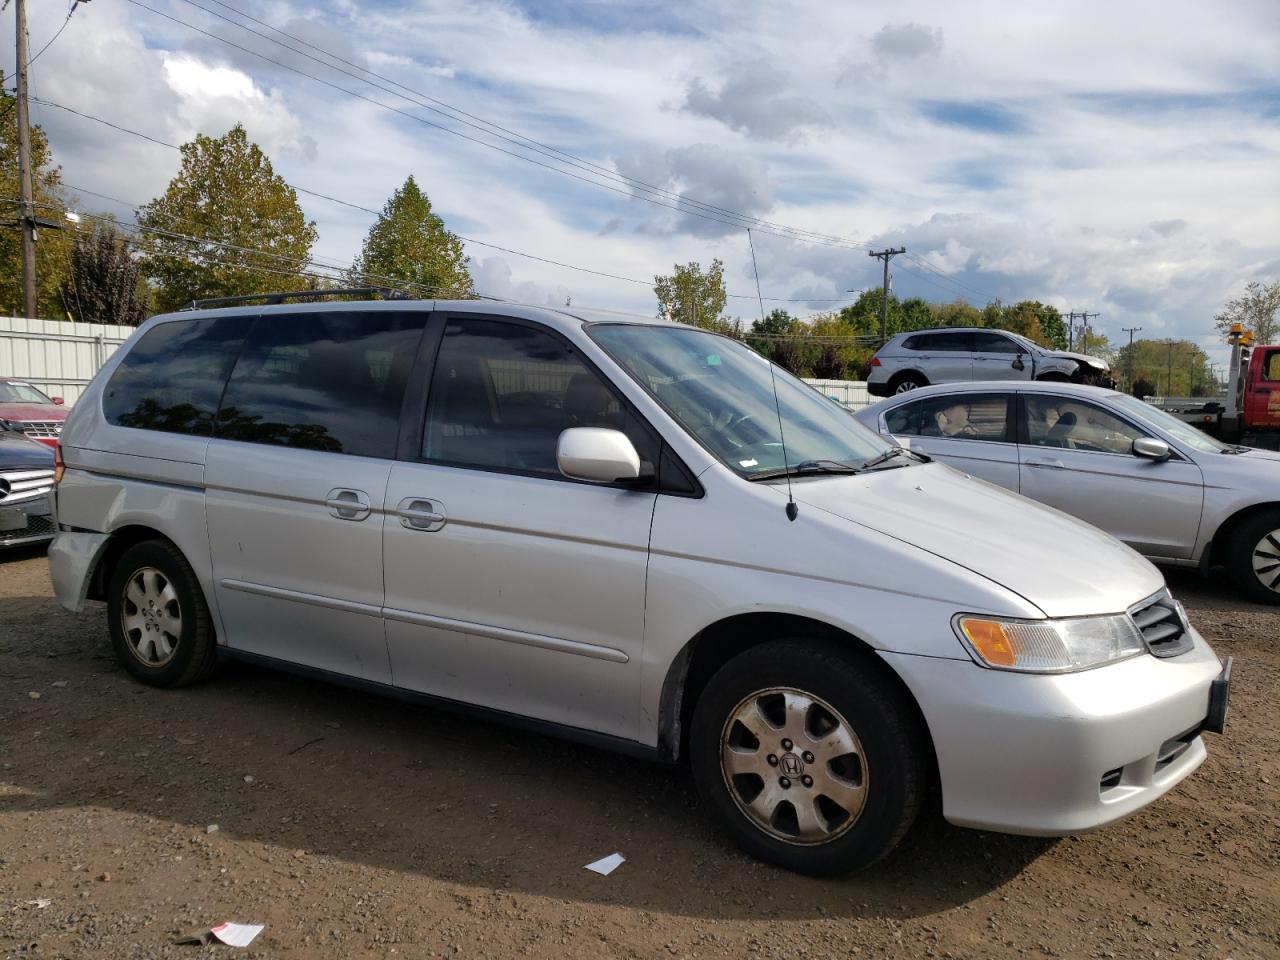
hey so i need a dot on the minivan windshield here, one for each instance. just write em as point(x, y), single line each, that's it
point(1163, 420)
point(721, 392)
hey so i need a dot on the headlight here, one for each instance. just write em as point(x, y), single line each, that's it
point(1049, 646)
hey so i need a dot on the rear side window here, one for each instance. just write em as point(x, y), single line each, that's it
point(172, 378)
point(323, 381)
point(502, 393)
point(968, 416)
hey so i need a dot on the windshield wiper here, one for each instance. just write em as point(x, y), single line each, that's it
point(809, 466)
point(883, 458)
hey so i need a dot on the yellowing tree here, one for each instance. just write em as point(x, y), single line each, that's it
point(247, 232)
point(690, 295)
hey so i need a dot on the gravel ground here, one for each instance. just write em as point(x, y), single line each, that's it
point(359, 827)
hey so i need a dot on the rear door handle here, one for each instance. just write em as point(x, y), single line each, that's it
point(347, 504)
point(1047, 464)
point(419, 513)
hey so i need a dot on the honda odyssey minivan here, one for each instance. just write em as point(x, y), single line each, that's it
point(636, 534)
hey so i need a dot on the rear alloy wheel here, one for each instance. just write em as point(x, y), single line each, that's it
point(812, 758)
point(159, 621)
point(1254, 557)
point(906, 382)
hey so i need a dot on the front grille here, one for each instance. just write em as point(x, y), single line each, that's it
point(40, 429)
point(1163, 626)
point(19, 486)
point(36, 527)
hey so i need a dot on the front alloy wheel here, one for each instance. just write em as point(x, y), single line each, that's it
point(810, 754)
point(1266, 561)
point(151, 617)
point(793, 765)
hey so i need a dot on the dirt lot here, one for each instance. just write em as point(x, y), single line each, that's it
point(358, 827)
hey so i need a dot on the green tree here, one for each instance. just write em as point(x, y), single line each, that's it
point(250, 233)
point(1256, 310)
point(1171, 368)
point(1054, 327)
point(690, 295)
point(104, 284)
point(53, 247)
point(410, 244)
point(916, 314)
point(957, 314)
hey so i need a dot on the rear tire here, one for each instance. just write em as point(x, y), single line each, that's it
point(905, 382)
point(1253, 557)
point(1054, 378)
point(835, 773)
point(158, 619)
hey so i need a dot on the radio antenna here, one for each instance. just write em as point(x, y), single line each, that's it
point(793, 510)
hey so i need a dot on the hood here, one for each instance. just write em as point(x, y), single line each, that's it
point(23, 412)
point(1061, 565)
point(17, 450)
point(1256, 471)
point(1083, 357)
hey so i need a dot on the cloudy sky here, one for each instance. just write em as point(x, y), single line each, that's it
point(1117, 157)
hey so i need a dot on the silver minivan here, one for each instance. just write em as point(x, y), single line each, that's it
point(636, 534)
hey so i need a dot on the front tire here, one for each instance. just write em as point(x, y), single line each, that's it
point(809, 756)
point(158, 619)
point(1253, 557)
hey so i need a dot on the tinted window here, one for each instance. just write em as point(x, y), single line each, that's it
point(994, 343)
point(941, 341)
point(502, 393)
point(323, 381)
point(1070, 424)
point(172, 378)
point(967, 416)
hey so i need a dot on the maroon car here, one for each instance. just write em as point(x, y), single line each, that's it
point(24, 409)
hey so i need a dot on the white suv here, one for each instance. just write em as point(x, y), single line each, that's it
point(957, 354)
point(592, 526)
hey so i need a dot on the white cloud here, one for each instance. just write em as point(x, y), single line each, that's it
point(755, 98)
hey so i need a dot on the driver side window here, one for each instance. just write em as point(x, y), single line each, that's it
point(1070, 424)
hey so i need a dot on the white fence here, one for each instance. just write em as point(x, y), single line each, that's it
point(57, 356)
point(851, 394)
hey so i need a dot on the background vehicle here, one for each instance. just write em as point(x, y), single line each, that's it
point(1163, 487)
point(27, 410)
point(585, 524)
point(1249, 412)
point(26, 479)
point(958, 354)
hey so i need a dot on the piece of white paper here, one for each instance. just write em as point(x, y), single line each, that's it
point(607, 865)
point(236, 934)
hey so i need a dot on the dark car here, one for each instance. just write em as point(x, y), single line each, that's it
point(26, 477)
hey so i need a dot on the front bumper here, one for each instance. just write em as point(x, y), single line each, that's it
point(30, 521)
point(1050, 755)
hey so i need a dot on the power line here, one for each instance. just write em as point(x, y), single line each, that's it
point(679, 207)
point(377, 213)
point(74, 5)
point(497, 130)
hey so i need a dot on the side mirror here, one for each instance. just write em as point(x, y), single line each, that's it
point(597, 454)
point(59, 401)
point(1017, 363)
point(1152, 449)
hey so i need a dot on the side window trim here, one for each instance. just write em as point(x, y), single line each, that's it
point(414, 427)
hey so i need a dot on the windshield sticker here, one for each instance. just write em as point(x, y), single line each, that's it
point(713, 360)
point(748, 463)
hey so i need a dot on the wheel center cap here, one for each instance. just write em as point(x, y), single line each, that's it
point(791, 764)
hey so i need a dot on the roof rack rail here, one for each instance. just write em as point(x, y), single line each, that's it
point(387, 293)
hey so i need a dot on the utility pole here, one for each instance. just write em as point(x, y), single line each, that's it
point(886, 255)
point(1168, 382)
point(1071, 317)
point(1131, 331)
point(26, 216)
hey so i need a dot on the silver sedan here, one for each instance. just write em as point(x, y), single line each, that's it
point(1169, 491)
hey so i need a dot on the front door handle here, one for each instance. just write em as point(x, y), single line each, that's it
point(347, 504)
point(1047, 464)
point(419, 513)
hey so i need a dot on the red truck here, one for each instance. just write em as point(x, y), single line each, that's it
point(1250, 413)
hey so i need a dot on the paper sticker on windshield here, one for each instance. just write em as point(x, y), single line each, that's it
point(713, 360)
point(747, 463)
